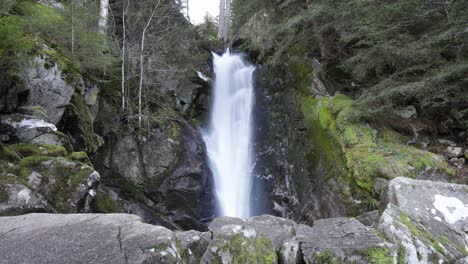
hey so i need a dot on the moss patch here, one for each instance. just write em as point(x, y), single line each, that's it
point(105, 204)
point(8, 154)
point(328, 257)
point(80, 156)
point(379, 255)
point(250, 250)
point(356, 154)
point(27, 150)
point(4, 195)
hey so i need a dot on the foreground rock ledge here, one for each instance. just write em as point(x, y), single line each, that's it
point(122, 238)
point(422, 222)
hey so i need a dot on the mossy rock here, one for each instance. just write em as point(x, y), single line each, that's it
point(4, 195)
point(105, 204)
point(80, 156)
point(8, 154)
point(357, 154)
point(250, 250)
point(26, 150)
point(35, 110)
point(78, 124)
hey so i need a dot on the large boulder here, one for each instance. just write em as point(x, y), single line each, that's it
point(429, 220)
point(85, 238)
point(343, 240)
point(47, 87)
point(167, 172)
point(22, 128)
point(17, 199)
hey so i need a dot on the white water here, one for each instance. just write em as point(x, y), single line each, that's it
point(229, 136)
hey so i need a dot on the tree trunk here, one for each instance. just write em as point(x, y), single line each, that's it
point(103, 16)
point(124, 43)
point(142, 69)
point(221, 23)
point(227, 19)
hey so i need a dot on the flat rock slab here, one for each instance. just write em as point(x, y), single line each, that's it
point(84, 238)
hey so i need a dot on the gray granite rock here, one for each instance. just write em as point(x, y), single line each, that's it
point(84, 238)
point(17, 199)
point(343, 239)
point(427, 219)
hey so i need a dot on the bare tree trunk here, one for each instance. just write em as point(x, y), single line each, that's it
point(73, 27)
point(124, 43)
point(221, 23)
point(227, 19)
point(103, 15)
point(142, 69)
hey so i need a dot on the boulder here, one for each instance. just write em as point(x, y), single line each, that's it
point(85, 238)
point(427, 219)
point(47, 87)
point(343, 240)
point(23, 128)
point(192, 245)
point(17, 199)
point(167, 172)
point(235, 240)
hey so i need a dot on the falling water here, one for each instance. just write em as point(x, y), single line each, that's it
point(229, 136)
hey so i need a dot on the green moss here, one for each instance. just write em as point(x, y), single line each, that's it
point(361, 152)
point(250, 250)
point(66, 65)
point(27, 150)
point(84, 131)
point(4, 195)
point(8, 154)
point(80, 156)
point(34, 161)
point(379, 255)
point(105, 203)
point(401, 254)
point(328, 257)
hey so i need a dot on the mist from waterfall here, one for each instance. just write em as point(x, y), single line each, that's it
point(228, 138)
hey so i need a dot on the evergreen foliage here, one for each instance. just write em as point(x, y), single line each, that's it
point(387, 54)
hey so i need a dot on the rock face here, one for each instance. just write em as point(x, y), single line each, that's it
point(22, 128)
point(87, 238)
point(168, 173)
point(428, 219)
point(120, 238)
point(47, 87)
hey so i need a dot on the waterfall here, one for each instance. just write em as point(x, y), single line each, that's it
point(103, 15)
point(229, 136)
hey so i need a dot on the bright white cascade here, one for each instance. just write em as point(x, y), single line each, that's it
point(229, 135)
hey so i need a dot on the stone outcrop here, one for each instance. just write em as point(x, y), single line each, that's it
point(167, 172)
point(429, 220)
point(121, 238)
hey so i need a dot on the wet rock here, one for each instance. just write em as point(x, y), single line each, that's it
point(343, 239)
point(116, 238)
point(17, 199)
point(427, 218)
point(462, 261)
